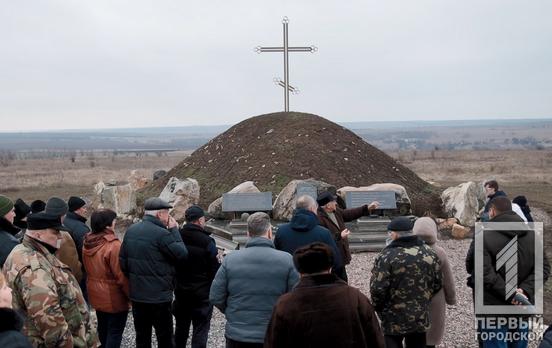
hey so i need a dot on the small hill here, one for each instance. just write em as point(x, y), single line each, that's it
point(273, 149)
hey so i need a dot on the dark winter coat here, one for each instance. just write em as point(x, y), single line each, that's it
point(405, 277)
point(247, 286)
point(547, 339)
point(78, 227)
point(303, 230)
point(342, 216)
point(323, 311)
point(10, 330)
point(195, 275)
point(494, 242)
point(7, 239)
point(148, 257)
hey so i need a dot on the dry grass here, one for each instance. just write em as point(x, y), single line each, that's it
point(42, 178)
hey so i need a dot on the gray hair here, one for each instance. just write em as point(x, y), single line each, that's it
point(306, 202)
point(258, 224)
point(151, 212)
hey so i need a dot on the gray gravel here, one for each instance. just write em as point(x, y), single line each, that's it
point(460, 330)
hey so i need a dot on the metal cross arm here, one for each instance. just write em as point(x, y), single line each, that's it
point(311, 49)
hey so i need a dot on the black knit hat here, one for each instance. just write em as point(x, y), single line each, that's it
point(325, 198)
point(21, 209)
point(38, 206)
point(75, 203)
point(400, 224)
point(193, 213)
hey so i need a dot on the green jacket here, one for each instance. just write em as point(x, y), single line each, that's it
point(47, 292)
point(405, 277)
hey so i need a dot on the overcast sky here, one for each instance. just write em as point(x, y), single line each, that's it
point(106, 63)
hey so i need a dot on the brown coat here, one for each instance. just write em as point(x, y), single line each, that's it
point(67, 253)
point(426, 229)
point(323, 311)
point(342, 216)
point(107, 285)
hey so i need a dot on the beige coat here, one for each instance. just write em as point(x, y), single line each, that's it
point(426, 229)
point(67, 253)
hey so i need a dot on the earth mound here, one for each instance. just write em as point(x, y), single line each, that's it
point(274, 149)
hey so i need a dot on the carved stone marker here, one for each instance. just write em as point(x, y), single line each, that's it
point(240, 202)
point(386, 199)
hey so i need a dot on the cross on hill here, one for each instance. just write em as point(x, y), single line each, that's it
point(286, 49)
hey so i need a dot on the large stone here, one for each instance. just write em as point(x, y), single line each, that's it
point(215, 208)
point(401, 196)
point(137, 180)
point(462, 202)
point(181, 194)
point(121, 198)
point(159, 174)
point(285, 202)
point(460, 232)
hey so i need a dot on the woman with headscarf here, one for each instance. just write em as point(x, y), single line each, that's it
point(426, 229)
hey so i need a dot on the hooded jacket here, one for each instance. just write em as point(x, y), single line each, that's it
point(426, 229)
point(11, 324)
point(494, 242)
point(107, 285)
point(303, 230)
point(148, 257)
point(7, 239)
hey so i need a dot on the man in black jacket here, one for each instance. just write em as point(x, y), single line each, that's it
point(75, 220)
point(495, 289)
point(194, 278)
point(149, 253)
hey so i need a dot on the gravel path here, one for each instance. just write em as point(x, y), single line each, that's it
point(460, 330)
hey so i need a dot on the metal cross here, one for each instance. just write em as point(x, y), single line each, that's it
point(286, 49)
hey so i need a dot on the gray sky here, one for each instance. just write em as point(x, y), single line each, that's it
point(105, 63)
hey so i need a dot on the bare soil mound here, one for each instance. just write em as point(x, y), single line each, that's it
point(273, 149)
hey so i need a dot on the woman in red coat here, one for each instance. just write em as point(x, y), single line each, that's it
point(107, 285)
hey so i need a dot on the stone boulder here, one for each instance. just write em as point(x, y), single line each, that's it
point(119, 197)
point(401, 196)
point(181, 194)
point(137, 180)
point(159, 174)
point(460, 232)
point(215, 208)
point(462, 202)
point(284, 204)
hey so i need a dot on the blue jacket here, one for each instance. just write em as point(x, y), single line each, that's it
point(247, 286)
point(7, 239)
point(148, 257)
point(303, 230)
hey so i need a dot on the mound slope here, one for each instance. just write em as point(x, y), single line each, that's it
point(273, 149)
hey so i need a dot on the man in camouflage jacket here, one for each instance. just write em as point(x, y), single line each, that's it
point(46, 291)
point(405, 277)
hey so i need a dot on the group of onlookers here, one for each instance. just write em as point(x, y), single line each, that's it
point(65, 284)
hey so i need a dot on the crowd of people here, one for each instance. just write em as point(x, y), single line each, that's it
point(65, 283)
